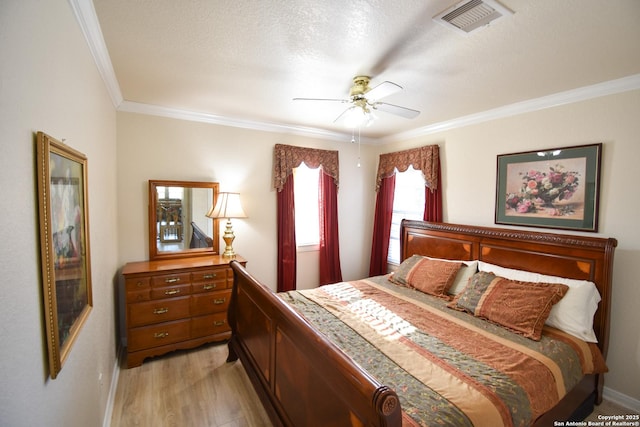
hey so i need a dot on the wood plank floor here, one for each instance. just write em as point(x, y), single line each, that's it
point(197, 388)
point(187, 388)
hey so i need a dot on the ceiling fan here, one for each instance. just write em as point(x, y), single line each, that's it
point(364, 99)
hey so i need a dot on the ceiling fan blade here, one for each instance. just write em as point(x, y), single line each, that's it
point(396, 109)
point(343, 113)
point(321, 99)
point(384, 89)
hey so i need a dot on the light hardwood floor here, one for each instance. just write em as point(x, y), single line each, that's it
point(187, 388)
point(609, 408)
point(197, 388)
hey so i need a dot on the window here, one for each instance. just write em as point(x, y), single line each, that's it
point(306, 194)
point(170, 192)
point(408, 202)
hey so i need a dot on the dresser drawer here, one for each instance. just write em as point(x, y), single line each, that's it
point(137, 296)
point(211, 302)
point(137, 284)
point(211, 274)
point(171, 291)
point(157, 335)
point(145, 313)
point(210, 280)
point(211, 324)
point(170, 279)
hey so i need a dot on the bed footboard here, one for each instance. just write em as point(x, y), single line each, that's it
point(300, 377)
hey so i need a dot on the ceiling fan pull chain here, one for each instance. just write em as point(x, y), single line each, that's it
point(358, 146)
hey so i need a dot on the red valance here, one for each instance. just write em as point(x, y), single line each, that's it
point(288, 157)
point(424, 158)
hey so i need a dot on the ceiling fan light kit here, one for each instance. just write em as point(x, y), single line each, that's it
point(364, 100)
point(357, 116)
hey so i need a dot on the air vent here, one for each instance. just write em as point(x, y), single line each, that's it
point(470, 15)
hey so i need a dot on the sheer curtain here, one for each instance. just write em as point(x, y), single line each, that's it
point(286, 158)
point(426, 159)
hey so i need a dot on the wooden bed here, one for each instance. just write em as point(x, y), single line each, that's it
point(304, 379)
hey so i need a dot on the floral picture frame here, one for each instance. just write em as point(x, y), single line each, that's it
point(64, 245)
point(557, 188)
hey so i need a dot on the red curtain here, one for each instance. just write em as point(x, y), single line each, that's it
point(286, 237)
point(433, 200)
point(287, 158)
point(330, 271)
point(382, 226)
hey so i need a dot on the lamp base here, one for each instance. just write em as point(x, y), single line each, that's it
point(228, 240)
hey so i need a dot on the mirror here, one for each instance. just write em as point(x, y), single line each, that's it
point(178, 225)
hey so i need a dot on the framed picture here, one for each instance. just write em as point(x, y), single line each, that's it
point(556, 188)
point(64, 245)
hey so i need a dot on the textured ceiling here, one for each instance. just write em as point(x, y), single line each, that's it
point(245, 60)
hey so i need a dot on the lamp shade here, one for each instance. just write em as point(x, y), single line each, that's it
point(227, 206)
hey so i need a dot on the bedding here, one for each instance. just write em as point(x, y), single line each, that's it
point(467, 269)
point(431, 276)
point(448, 367)
point(522, 307)
point(573, 313)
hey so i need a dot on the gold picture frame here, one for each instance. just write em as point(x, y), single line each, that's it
point(64, 245)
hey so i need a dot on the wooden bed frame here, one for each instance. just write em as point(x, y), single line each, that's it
point(303, 379)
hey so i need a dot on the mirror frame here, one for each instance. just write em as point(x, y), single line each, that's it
point(154, 253)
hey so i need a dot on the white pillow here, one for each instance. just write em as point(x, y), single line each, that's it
point(468, 269)
point(573, 314)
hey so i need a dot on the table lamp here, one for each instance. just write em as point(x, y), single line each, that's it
point(227, 206)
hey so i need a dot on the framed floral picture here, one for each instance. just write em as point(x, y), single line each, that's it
point(64, 245)
point(556, 188)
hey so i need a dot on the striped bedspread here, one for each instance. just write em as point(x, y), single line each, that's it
point(447, 367)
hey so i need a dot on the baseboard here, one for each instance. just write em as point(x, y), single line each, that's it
point(621, 399)
point(108, 413)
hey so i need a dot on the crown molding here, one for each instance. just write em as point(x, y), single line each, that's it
point(174, 113)
point(86, 16)
point(584, 93)
point(87, 19)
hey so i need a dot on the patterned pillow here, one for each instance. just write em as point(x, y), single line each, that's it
point(574, 313)
point(431, 276)
point(521, 307)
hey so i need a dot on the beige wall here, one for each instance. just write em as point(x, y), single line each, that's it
point(469, 176)
point(241, 161)
point(49, 82)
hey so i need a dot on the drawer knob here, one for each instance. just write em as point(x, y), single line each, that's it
point(219, 300)
point(172, 291)
point(140, 284)
point(210, 276)
point(219, 323)
point(160, 310)
point(209, 286)
point(172, 280)
point(160, 335)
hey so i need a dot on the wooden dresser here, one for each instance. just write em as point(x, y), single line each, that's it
point(176, 304)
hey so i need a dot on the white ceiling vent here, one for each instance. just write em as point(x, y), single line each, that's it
point(470, 15)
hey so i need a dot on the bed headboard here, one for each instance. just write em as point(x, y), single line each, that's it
point(574, 257)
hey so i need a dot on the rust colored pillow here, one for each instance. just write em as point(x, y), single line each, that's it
point(521, 307)
point(433, 277)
